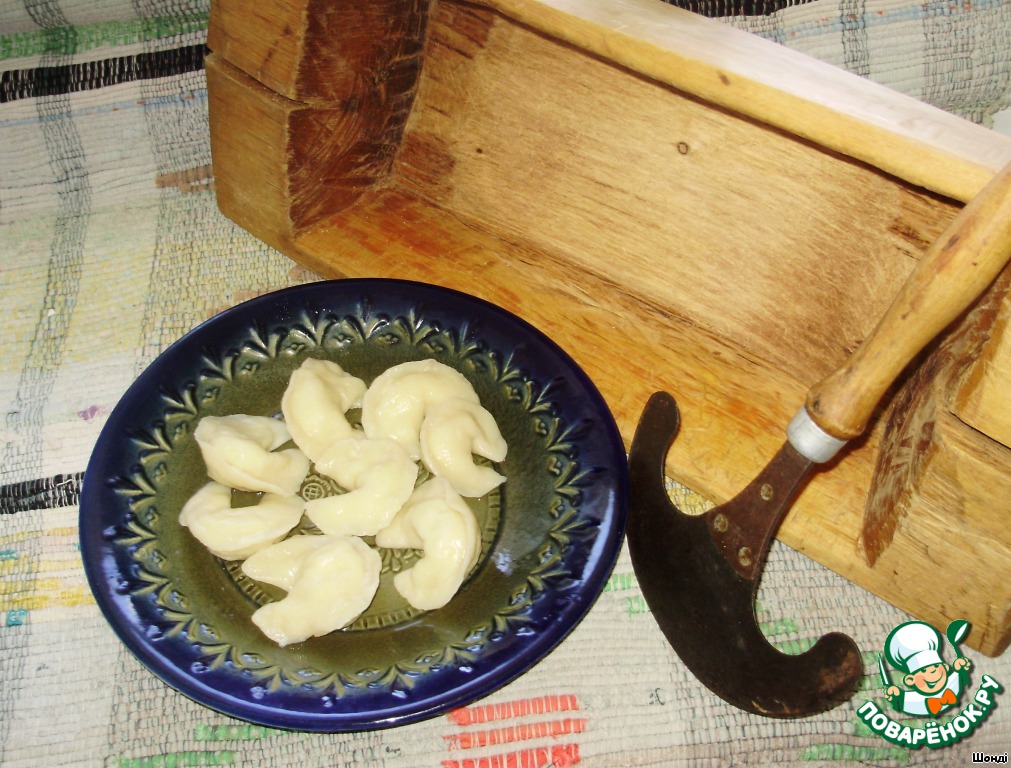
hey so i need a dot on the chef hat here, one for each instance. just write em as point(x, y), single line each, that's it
point(913, 646)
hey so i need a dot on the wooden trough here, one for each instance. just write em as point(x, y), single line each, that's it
point(681, 206)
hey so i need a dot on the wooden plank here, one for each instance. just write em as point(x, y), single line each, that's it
point(734, 407)
point(289, 47)
point(685, 205)
point(939, 494)
point(249, 136)
point(786, 89)
point(949, 544)
point(312, 123)
point(298, 162)
point(982, 399)
point(265, 40)
point(685, 241)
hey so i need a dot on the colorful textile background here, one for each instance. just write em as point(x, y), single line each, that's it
point(111, 247)
point(954, 55)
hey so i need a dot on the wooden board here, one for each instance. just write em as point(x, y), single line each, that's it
point(682, 207)
point(982, 399)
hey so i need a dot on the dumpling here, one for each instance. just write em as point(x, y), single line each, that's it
point(437, 520)
point(332, 587)
point(378, 475)
point(395, 403)
point(279, 563)
point(451, 433)
point(236, 533)
point(314, 404)
point(239, 452)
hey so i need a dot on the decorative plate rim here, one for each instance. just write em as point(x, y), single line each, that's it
point(103, 571)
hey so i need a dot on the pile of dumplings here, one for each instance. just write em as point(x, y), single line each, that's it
point(417, 411)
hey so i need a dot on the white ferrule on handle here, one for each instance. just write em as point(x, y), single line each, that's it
point(810, 440)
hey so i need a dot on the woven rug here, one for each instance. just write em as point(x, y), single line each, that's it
point(113, 247)
point(955, 56)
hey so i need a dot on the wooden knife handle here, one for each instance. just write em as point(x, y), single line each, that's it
point(952, 273)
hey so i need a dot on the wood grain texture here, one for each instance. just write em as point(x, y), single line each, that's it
point(950, 539)
point(332, 114)
point(265, 40)
point(249, 138)
point(940, 491)
point(289, 47)
point(685, 205)
point(667, 236)
point(982, 399)
point(734, 408)
point(298, 162)
point(955, 269)
point(804, 97)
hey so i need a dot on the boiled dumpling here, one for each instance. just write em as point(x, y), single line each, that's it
point(437, 520)
point(332, 587)
point(451, 433)
point(378, 475)
point(318, 396)
point(395, 404)
point(239, 452)
point(236, 533)
point(279, 563)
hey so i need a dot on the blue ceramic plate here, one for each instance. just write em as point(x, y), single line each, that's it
point(551, 533)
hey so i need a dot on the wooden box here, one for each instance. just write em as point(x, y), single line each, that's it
point(681, 206)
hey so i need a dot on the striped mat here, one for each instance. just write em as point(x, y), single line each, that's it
point(111, 247)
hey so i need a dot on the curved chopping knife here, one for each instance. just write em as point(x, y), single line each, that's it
point(700, 574)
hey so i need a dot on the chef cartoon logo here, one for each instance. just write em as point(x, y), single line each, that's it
point(918, 682)
point(932, 685)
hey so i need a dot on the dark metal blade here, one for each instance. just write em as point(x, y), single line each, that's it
point(699, 575)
